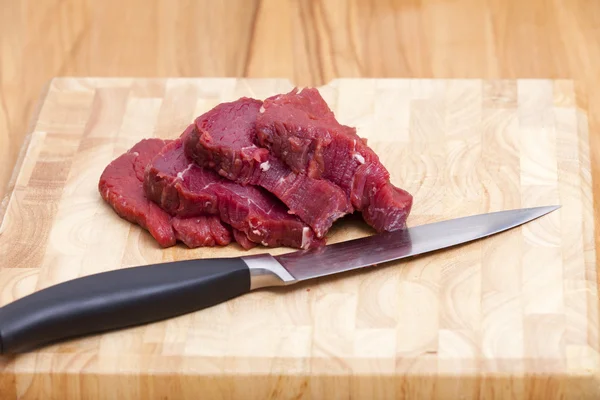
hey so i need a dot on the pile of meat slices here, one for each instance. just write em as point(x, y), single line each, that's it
point(277, 172)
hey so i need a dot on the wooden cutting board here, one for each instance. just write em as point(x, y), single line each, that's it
point(512, 316)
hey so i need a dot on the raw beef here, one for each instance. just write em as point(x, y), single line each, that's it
point(299, 128)
point(121, 186)
point(242, 240)
point(183, 188)
point(203, 231)
point(224, 139)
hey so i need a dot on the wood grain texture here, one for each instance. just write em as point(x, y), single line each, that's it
point(309, 42)
point(515, 315)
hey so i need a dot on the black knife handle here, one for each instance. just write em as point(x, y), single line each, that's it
point(118, 299)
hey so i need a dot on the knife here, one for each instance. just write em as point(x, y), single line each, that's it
point(142, 294)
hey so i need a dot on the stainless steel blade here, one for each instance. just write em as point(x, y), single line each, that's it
point(363, 252)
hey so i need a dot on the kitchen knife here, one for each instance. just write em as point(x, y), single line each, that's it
point(143, 294)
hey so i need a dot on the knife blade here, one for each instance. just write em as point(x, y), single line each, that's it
point(138, 295)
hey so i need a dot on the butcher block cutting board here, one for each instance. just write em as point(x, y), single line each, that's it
point(512, 316)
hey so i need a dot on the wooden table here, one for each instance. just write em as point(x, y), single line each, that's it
point(309, 42)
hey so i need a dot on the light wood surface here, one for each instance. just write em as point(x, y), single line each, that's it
point(307, 41)
point(314, 41)
point(513, 316)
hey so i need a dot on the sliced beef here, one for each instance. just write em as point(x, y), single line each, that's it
point(203, 231)
point(183, 188)
point(243, 240)
point(224, 139)
point(121, 186)
point(301, 130)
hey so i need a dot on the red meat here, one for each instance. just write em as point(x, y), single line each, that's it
point(299, 128)
point(183, 188)
point(122, 188)
point(224, 139)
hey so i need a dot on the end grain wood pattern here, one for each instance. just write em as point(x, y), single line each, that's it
point(511, 316)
